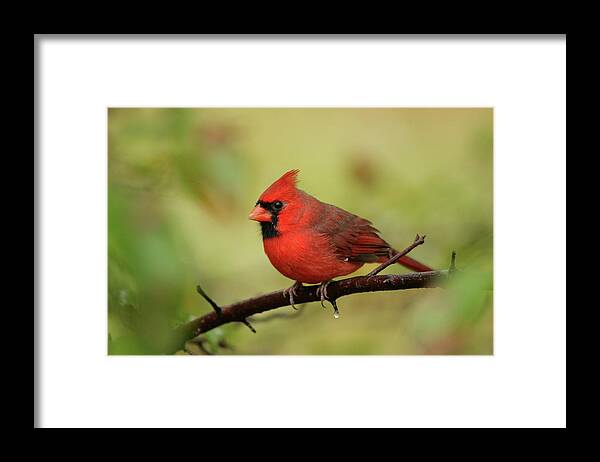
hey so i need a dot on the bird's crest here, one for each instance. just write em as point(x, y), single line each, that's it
point(284, 186)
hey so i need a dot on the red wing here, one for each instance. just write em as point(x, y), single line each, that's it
point(368, 246)
point(353, 237)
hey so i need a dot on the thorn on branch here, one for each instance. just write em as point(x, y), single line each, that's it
point(216, 307)
point(452, 268)
point(245, 321)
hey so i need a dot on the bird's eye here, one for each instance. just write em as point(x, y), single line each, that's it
point(277, 205)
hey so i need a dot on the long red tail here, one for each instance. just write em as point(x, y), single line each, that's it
point(410, 263)
point(413, 264)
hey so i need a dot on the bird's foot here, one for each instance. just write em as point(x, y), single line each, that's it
point(322, 292)
point(290, 293)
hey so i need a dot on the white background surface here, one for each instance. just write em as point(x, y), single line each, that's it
point(523, 384)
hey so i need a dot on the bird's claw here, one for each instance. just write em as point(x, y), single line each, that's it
point(322, 292)
point(290, 292)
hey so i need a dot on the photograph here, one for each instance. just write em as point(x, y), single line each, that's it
point(311, 231)
point(300, 231)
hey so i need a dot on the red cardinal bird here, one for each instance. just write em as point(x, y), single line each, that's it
point(312, 242)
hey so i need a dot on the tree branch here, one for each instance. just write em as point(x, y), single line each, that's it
point(239, 311)
point(372, 282)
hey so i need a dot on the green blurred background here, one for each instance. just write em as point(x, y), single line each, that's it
point(181, 185)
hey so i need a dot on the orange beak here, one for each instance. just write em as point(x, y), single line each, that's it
point(259, 214)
